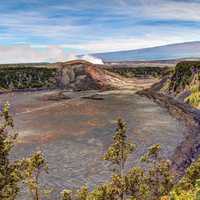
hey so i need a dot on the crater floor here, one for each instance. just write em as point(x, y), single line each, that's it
point(74, 134)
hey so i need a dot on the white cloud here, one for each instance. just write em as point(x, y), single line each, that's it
point(26, 54)
point(46, 53)
point(40, 28)
point(160, 9)
point(151, 39)
point(173, 10)
point(35, 24)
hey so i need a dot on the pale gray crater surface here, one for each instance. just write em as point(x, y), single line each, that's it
point(73, 134)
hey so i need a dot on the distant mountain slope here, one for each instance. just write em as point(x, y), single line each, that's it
point(172, 51)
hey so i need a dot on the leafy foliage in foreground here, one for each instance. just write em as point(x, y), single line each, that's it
point(150, 183)
point(13, 173)
point(155, 181)
point(188, 188)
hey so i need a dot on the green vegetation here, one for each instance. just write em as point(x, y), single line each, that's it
point(118, 153)
point(150, 183)
point(22, 65)
point(194, 98)
point(13, 173)
point(27, 77)
point(184, 75)
point(188, 188)
point(184, 83)
point(154, 181)
point(130, 72)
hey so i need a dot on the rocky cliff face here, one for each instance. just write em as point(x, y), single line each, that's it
point(73, 75)
point(82, 75)
point(173, 92)
point(183, 83)
point(189, 149)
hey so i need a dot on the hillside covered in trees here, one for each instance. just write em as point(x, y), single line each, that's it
point(183, 83)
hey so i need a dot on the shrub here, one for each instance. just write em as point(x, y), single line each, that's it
point(13, 173)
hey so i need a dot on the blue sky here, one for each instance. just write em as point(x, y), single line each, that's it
point(45, 29)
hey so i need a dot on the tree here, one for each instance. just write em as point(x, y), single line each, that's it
point(160, 178)
point(136, 184)
point(118, 152)
point(83, 193)
point(12, 173)
point(120, 149)
point(66, 195)
point(33, 166)
point(139, 183)
point(150, 183)
point(189, 185)
point(9, 173)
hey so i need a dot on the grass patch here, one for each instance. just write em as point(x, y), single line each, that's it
point(194, 98)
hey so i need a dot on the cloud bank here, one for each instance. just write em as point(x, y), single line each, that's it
point(28, 54)
point(52, 31)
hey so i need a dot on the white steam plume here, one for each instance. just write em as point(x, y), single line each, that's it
point(92, 59)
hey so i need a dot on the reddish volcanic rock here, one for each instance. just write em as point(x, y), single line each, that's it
point(82, 75)
point(109, 80)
